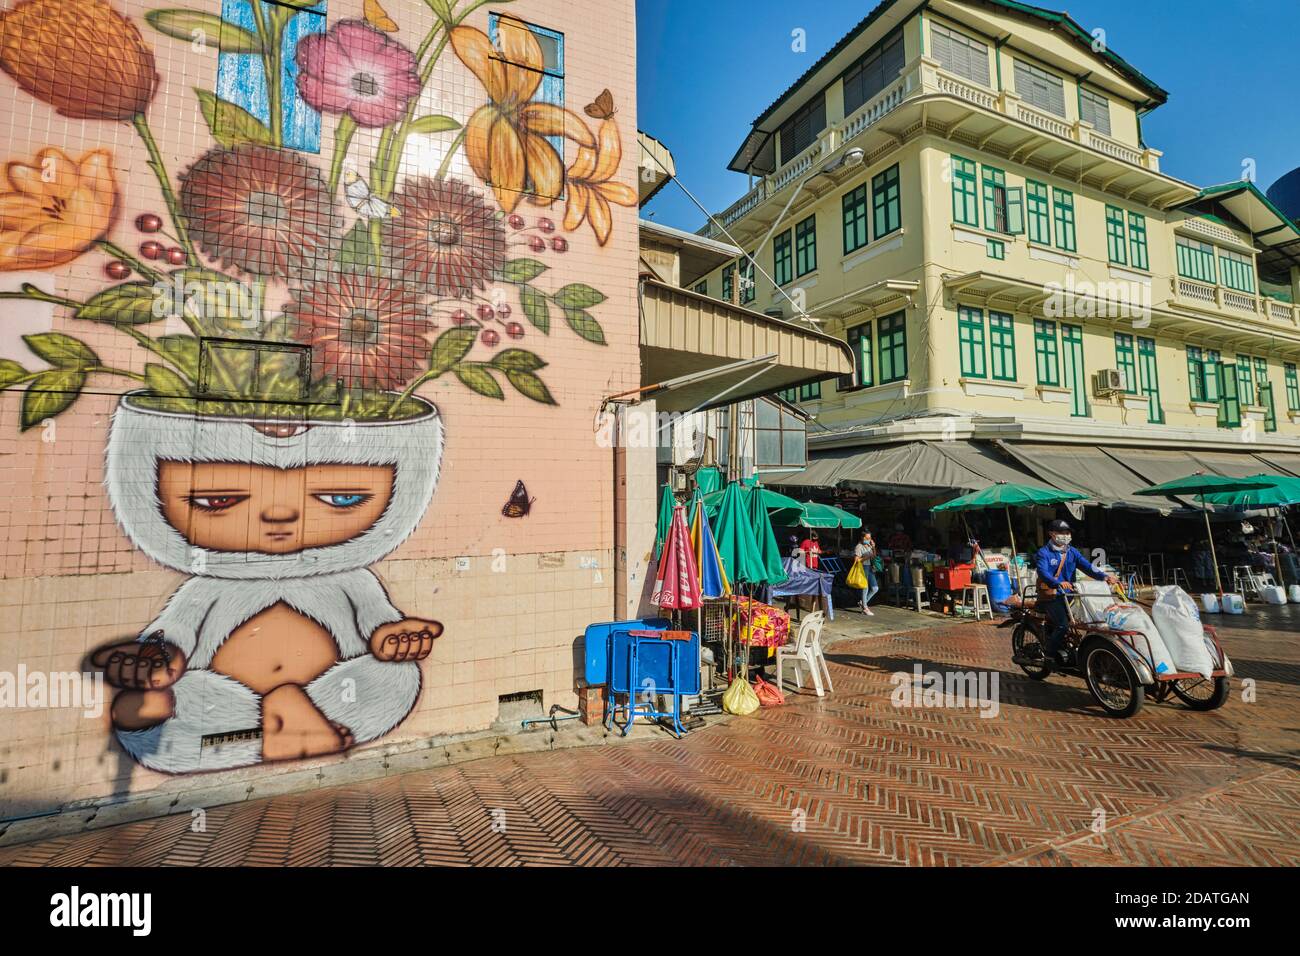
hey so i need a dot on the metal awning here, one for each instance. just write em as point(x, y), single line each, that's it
point(1277, 236)
point(1086, 469)
point(683, 333)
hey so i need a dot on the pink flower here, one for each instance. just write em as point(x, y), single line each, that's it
point(356, 69)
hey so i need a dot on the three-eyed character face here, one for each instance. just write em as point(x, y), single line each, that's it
point(223, 506)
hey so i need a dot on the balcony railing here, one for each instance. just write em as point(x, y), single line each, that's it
point(924, 76)
point(1214, 298)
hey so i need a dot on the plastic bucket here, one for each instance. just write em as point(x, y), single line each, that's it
point(999, 584)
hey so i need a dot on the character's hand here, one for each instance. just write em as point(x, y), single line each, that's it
point(1112, 580)
point(293, 727)
point(1067, 586)
point(136, 665)
point(406, 640)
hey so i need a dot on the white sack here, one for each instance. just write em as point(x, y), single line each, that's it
point(1130, 617)
point(1179, 622)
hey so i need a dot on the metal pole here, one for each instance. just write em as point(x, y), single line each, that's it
point(1214, 560)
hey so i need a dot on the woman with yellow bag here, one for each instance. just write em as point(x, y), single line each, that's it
point(863, 573)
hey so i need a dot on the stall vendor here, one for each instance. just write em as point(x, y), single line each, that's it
point(1057, 561)
point(812, 550)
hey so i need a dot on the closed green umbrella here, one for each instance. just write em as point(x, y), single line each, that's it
point(817, 515)
point(768, 552)
point(734, 535)
point(665, 520)
point(1203, 484)
point(1007, 495)
point(782, 509)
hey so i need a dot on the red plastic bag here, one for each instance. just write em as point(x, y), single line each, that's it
point(769, 695)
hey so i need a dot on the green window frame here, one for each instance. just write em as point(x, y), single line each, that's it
point(1245, 380)
point(891, 347)
point(1038, 206)
point(748, 287)
point(856, 231)
point(805, 246)
point(1063, 217)
point(1261, 370)
point(996, 248)
point(1137, 241)
point(810, 392)
point(859, 339)
point(965, 199)
point(1292, 387)
point(728, 282)
point(995, 199)
point(1195, 260)
point(971, 342)
point(1213, 393)
point(1149, 376)
point(1075, 374)
point(1002, 346)
point(1126, 362)
point(1237, 271)
point(1116, 240)
point(1047, 353)
point(1229, 398)
point(886, 202)
point(1195, 374)
point(1270, 407)
point(702, 287)
point(783, 258)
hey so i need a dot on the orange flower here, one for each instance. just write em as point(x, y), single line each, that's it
point(505, 140)
point(55, 209)
point(590, 187)
point(81, 56)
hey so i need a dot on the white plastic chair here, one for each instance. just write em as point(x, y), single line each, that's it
point(806, 649)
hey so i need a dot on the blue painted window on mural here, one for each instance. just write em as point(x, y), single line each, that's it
point(241, 78)
point(551, 89)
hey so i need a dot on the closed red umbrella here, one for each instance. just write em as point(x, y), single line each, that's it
point(677, 579)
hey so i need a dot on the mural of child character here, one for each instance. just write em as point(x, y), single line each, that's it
point(282, 644)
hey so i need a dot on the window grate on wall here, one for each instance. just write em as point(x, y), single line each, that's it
point(878, 68)
point(960, 54)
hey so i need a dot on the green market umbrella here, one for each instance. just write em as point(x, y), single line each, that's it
point(769, 553)
point(734, 535)
point(817, 515)
point(1202, 484)
point(665, 522)
point(1285, 492)
point(782, 509)
point(1007, 495)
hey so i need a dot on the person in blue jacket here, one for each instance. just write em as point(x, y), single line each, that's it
point(1056, 562)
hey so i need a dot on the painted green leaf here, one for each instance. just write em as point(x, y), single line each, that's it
point(132, 303)
point(49, 394)
point(433, 124)
point(528, 384)
point(183, 350)
point(517, 360)
point(480, 380)
point(449, 348)
point(163, 381)
point(231, 124)
point(61, 351)
point(579, 296)
point(522, 270)
point(357, 252)
point(585, 325)
point(536, 308)
point(11, 372)
point(208, 28)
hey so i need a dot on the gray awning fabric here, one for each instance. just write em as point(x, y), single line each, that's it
point(1087, 470)
point(1230, 464)
point(927, 469)
point(1156, 465)
point(820, 472)
point(1280, 462)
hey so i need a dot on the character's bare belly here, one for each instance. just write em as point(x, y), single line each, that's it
point(275, 647)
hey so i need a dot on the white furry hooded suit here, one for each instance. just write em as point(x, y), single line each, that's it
point(331, 585)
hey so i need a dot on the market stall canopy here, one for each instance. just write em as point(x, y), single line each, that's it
point(1105, 480)
point(745, 354)
point(1285, 491)
point(817, 515)
point(1284, 462)
point(1156, 465)
point(1005, 495)
point(782, 509)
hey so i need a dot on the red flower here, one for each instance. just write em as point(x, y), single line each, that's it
point(446, 239)
point(364, 330)
point(266, 211)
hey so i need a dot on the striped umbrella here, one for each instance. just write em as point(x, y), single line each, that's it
point(713, 577)
point(677, 580)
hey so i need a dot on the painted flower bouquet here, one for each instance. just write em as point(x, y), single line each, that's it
point(279, 289)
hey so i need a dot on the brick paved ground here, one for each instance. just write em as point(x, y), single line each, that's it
point(872, 784)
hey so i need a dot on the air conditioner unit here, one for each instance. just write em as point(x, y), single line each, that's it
point(1108, 381)
point(679, 480)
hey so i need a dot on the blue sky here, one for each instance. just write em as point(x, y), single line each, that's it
point(707, 68)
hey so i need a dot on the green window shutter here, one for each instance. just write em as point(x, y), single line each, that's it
point(1137, 241)
point(1040, 217)
point(1150, 380)
point(855, 219)
point(965, 207)
point(805, 246)
point(1270, 411)
point(885, 202)
point(970, 341)
point(1016, 211)
point(1126, 362)
point(859, 339)
point(1195, 374)
point(1195, 260)
point(891, 346)
point(1002, 346)
point(782, 259)
point(748, 288)
point(1229, 398)
point(1116, 244)
point(995, 199)
point(1075, 374)
point(728, 277)
point(1212, 392)
point(702, 287)
point(1245, 380)
point(808, 393)
point(1063, 206)
point(1292, 388)
point(1238, 271)
point(1047, 364)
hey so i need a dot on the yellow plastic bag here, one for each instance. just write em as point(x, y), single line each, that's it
point(857, 578)
point(740, 698)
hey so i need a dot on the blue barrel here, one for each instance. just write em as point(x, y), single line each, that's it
point(999, 584)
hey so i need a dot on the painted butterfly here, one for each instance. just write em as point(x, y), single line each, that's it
point(363, 201)
point(603, 108)
point(519, 504)
point(378, 17)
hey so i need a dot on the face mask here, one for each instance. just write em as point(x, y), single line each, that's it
point(1061, 541)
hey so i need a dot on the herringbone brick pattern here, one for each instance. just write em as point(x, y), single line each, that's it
point(846, 779)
